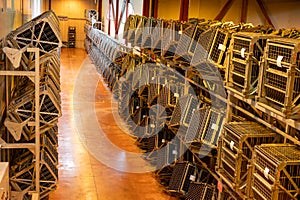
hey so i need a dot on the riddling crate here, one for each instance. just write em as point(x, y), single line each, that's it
point(139, 30)
point(182, 114)
point(170, 94)
point(246, 50)
point(236, 149)
point(172, 37)
point(157, 36)
point(198, 120)
point(202, 46)
point(183, 111)
point(212, 127)
point(217, 52)
point(181, 178)
point(201, 191)
point(167, 155)
point(186, 48)
point(148, 30)
point(280, 80)
point(129, 28)
point(276, 172)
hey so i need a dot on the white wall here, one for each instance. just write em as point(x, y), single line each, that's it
point(10, 16)
point(137, 6)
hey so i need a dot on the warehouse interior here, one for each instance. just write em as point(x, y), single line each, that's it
point(150, 99)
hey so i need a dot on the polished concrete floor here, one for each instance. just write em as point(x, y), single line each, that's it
point(88, 168)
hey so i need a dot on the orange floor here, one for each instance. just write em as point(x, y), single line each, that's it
point(89, 132)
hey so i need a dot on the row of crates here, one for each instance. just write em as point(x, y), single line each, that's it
point(184, 42)
point(43, 33)
point(256, 62)
point(162, 117)
point(255, 163)
point(113, 49)
point(155, 131)
point(153, 103)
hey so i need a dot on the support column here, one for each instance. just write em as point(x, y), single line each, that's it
point(244, 11)
point(264, 11)
point(154, 8)
point(99, 10)
point(117, 18)
point(146, 8)
point(184, 10)
point(109, 11)
point(224, 10)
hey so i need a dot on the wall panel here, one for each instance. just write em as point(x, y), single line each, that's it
point(74, 11)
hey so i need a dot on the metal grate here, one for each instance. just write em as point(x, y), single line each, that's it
point(172, 37)
point(167, 155)
point(241, 43)
point(188, 42)
point(50, 148)
point(211, 77)
point(201, 191)
point(51, 134)
point(169, 95)
point(219, 46)
point(129, 28)
point(139, 30)
point(148, 31)
point(280, 49)
point(157, 35)
point(213, 127)
point(197, 124)
point(181, 177)
point(203, 46)
point(183, 112)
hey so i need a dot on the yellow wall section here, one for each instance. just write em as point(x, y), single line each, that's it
point(282, 13)
point(74, 10)
point(168, 9)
